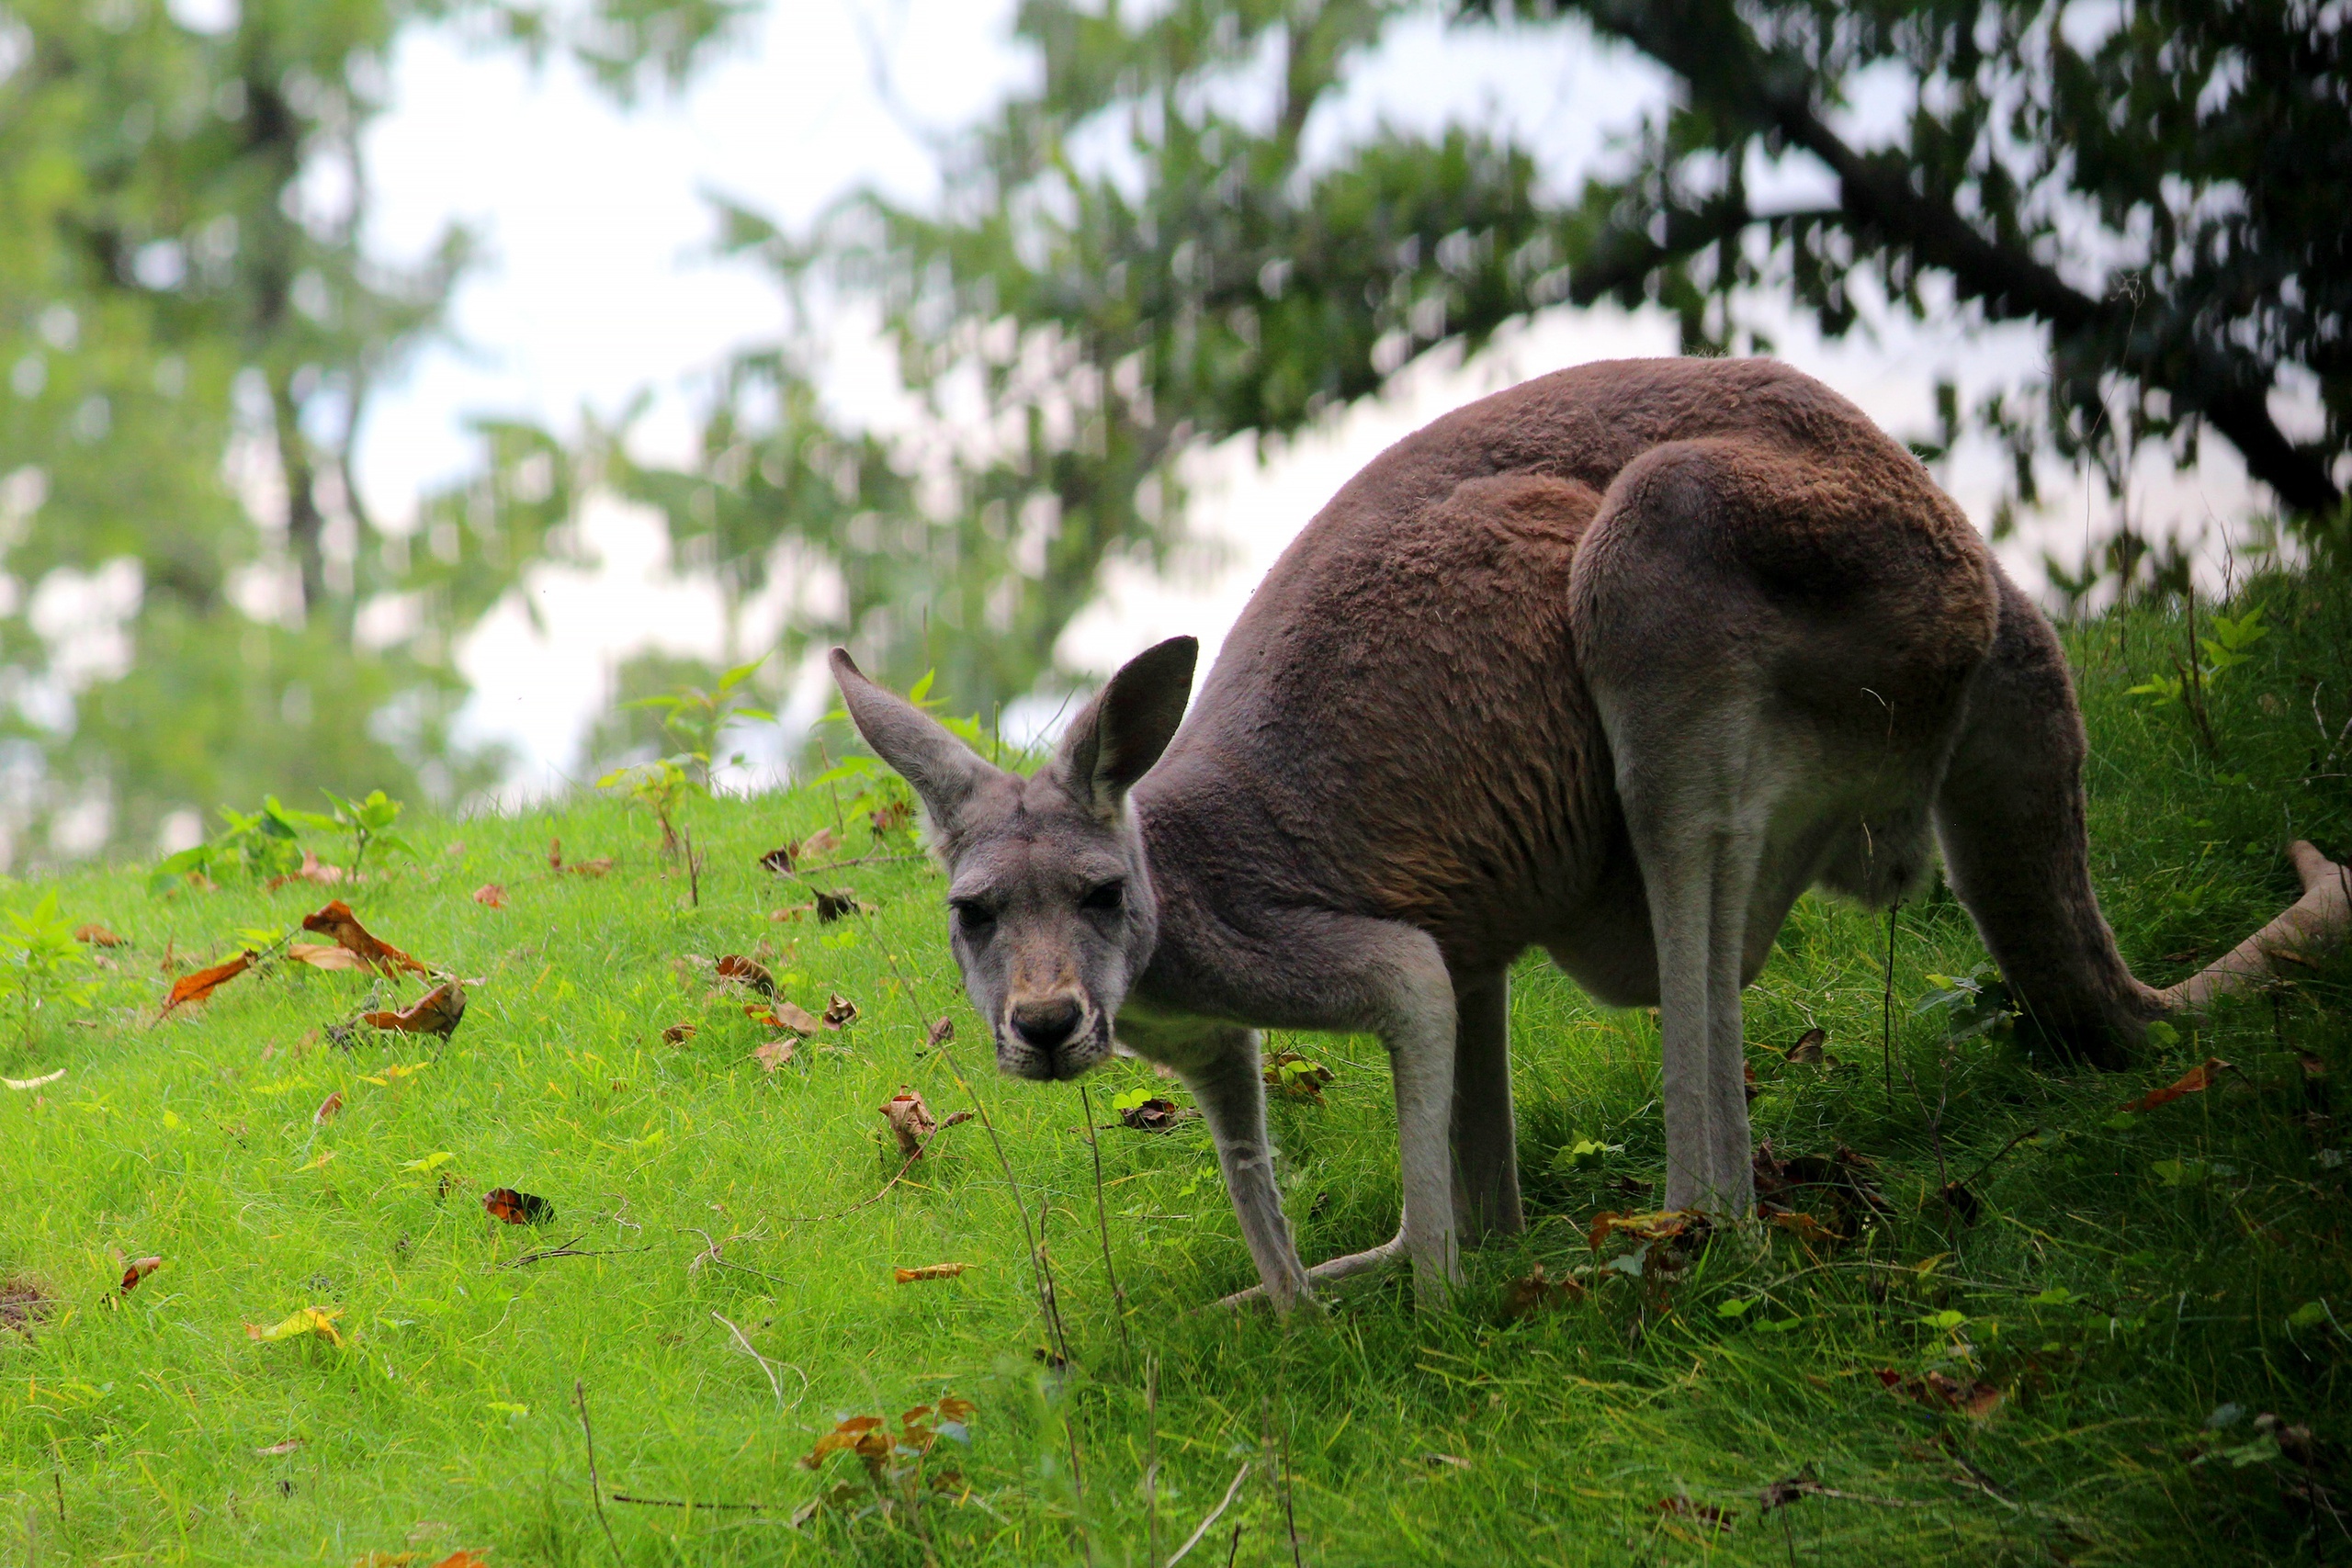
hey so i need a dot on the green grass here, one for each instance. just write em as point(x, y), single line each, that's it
point(2126, 1279)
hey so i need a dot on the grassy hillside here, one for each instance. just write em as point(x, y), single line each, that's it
point(2122, 1339)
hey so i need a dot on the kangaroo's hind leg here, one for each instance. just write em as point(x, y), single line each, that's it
point(1486, 1132)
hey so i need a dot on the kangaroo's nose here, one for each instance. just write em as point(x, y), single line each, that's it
point(1045, 1025)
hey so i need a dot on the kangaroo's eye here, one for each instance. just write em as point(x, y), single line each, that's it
point(1107, 899)
point(972, 917)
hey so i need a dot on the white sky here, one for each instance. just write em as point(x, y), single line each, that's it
point(599, 286)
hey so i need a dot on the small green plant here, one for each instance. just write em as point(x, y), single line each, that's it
point(695, 719)
point(40, 962)
point(662, 786)
point(1975, 1003)
point(369, 822)
point(2209, 659)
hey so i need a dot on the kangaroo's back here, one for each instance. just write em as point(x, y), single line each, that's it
point(1400, 724)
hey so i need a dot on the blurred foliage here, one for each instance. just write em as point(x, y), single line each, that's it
point(190, 327)
point(1135, 256)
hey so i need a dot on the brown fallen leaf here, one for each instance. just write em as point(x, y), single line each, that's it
point(275, 1450)
point(1152, 1116)
point(892, 818)
point(1706, 1515)
point(774, 1053)
point(910, 1121)
point(137, 1268)
point(1974, 1400)
point(199, 987)
point(1807, 1050)
point(1538, 1290)
point(1802, 1225)
point(2197, 1080)
point(385, 1559)
point(790, 912)
point(517, 1208)
point(1662, 1225)
point(24, 1300)
point(779, 859)
point(438, 1011)
point(861, 1435)
point(491, 896)
point(942, 1030)
point(786, 1015)
point(328, 1109)
point(311, 870)
point(840, 1011)
point(929, 1271)
point(678, 1033)
point(461, 1559)
point(336, 921)
point(745, 971)
point(839, 904)
point(597, 867)
point(324, 956)
point(1295, 1077)
point(97, 935)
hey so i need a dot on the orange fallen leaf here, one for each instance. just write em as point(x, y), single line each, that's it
point(860, 1435)
point(840, 1011)
point(199, 987)
point(786, 1015)
point(461, 1559)
point(97, 935)
point(910, 1121)
point(517, 1208)
point(2197, 1080)
point(745, 971)
point(490, 895)
point(136, 1269)
point(774, 1055)
point(1803, 1225)
point(311, 870)
point(437, 1011)
point(596, 867)
point(338, 923)
point(328, 1107)
point(319, 1321)
point(324, 956)
point(929, 1271)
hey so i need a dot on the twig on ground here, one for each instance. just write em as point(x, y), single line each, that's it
point(1102, 1218)
point(712, 1253)
point(952, 1119)
point(676, 1503)
point(595, 1486)
point(2001, 1155)
point(767, 1366)
point(806, 870)
point(1151, 1460)
point(1231, 1492)
point(569, 1250)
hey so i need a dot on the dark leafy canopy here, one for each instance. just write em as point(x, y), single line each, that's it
point(1132, 259)
point(190, 328)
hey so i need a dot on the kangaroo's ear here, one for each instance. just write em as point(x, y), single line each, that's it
point(943, 770)
point(1122, 732)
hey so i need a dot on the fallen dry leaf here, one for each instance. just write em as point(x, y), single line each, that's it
point(786, 1015)
point(1807, 1050)
point(744, 971)
point(1538, 1290)
point(461, 1559)
point(23, 1302)
point(942, 1030)
point(678, 1033)
point(136, 1269)
point(517, 1208)
point(2197, 1080)
point(774, 1055)
point(1974, 1400)
point(790, 912)
point(385, 1559)
point(1151, 1116)
point(929, 1271)
point(338, 923)
point(861, 1435)
point(839, 904)
point(192, 988)
point(910, 1121)
point(1705, 1513)
point(328, 1107)
point(1294, 1076)
point(288, 1447)
point(438, 1011)
point(840, 1011)
point(324, 956)
point(320, 1320)
point(1662, 1225)
point(491, 896)
point(597, 867)
point(34, 1083)
point(891, 819)
point(311, 870)
point(1802, 1225)
point(97, 935)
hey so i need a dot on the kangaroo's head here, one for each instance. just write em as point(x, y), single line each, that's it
point(1053, 912)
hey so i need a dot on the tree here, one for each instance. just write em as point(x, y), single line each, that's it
point(192, 328)
point(1132, 258)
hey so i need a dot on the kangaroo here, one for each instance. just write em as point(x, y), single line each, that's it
point(1617, 663)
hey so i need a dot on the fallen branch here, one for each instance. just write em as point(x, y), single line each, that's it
point(596, 1487)
point(676, 1502)
point(1216, 1514)
point(769, 1367)
point(569, 1250)
point(710, 1253)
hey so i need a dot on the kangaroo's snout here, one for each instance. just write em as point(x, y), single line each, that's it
point(1046, 1022)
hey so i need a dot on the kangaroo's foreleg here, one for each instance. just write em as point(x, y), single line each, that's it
point(1222, 1071)
point(1486, 1134)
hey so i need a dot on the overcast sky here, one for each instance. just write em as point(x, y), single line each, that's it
point(599, 286)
